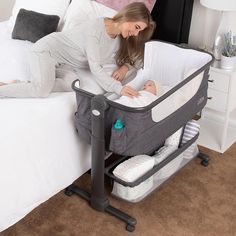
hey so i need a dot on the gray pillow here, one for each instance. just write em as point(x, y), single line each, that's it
point(32, 26)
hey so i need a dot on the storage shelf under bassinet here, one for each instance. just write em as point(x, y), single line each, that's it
point(172, 156)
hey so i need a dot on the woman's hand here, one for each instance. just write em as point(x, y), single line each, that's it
point(129, 92)
point(120, 73)
point(11, 82)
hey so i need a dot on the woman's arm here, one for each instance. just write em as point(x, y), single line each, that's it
point(120, 73)
point(107, 82)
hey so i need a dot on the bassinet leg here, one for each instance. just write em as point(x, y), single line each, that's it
point(99, 201)
point(205, 158)
point(98, 198)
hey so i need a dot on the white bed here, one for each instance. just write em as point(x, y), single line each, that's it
point(41, 153)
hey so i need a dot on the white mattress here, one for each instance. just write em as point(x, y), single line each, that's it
point(41, 153)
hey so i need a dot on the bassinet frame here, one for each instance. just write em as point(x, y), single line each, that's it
point(99, 106)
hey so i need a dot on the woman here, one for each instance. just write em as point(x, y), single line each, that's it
point(118, 40)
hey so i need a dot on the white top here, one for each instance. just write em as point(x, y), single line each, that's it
point(97, 49)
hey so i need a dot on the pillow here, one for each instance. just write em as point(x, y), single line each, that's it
point(49, 7)
point(32, 25)
point(119, 4)
point(83, 10)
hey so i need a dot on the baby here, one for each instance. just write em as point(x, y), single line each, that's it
point(147, 95)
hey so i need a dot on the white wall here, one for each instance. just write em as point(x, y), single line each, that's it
point(5, 9)
point(203, 26)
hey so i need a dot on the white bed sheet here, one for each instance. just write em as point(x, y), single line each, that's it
point(40, 151)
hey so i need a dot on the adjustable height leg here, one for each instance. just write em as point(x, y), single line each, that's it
point(205, 158)
point(98, 199)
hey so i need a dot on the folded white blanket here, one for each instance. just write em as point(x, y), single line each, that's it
point(144, 99)
point(133, 168)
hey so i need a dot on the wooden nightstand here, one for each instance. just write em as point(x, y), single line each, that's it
point(218, 122)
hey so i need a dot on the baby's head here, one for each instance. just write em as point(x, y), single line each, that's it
point(150, 86)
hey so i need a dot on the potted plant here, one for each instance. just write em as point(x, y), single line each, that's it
point(228, 57)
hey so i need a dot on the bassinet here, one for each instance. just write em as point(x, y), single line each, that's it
point(185, 72)
point(146, 128)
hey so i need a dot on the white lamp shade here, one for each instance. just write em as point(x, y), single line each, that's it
point(220, 5)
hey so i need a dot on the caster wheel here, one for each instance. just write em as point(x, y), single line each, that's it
point(68, 192)
point(205, 163)
point(130, 228)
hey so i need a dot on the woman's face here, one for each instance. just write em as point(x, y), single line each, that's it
point(131, 28)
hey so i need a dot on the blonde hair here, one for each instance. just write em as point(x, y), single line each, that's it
point(132, 48)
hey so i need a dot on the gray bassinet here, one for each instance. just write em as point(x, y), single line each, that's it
point(184, 72)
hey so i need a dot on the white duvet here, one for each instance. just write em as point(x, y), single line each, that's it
point(13, 56)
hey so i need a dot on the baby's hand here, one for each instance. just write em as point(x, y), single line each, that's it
point(120, 73)
point(129, 92)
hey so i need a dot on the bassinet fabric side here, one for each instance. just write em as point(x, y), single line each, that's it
point(83, 116)
point(141, 135)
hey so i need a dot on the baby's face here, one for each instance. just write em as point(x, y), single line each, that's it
point(150, 87)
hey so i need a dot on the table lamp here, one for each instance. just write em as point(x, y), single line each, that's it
point(227, 22)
